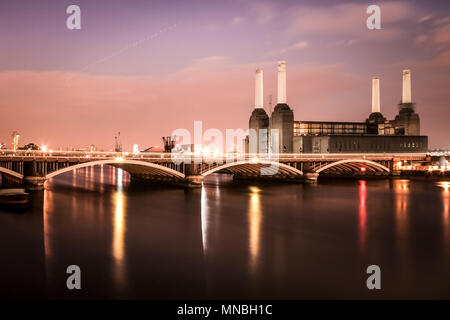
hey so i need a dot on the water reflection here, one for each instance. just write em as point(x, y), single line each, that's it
point(362, 213)
point(254, 222)
point(102, 178)
point(445, 185)
point(300, 246)
point(119, 229)
point(47, 208)
point(401, 189)
point(204, 218)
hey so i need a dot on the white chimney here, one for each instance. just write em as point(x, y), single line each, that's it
point(281, 82)
point(259, 89)
point(406, 94)
point(375, 94)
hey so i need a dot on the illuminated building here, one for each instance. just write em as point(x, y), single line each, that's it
point(375, 134)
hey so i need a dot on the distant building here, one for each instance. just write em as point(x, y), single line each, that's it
point(154, 149)
point(279, 133)
point(15, 141)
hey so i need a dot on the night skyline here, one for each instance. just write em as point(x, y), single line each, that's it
point(148, 69)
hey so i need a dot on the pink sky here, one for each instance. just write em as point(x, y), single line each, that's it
point(62, 89)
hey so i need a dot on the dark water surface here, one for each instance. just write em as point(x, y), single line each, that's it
point(226, 240)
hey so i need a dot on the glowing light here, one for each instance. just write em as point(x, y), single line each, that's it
point(119, 230)
point(363, 169)
point(399, 164)
point(401, 188)
point(119, 219)
point(120, 159)
point(204, 219)
point(254, 216)
point(362, 212)
point(444, 185)
point(255, 160)
point(135, 149)
point(44, 148)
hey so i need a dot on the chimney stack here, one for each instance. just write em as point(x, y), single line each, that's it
point(375, 94)
point(406, 92)
point(259, 89)
point(281, 82)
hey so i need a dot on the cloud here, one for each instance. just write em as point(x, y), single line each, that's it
point(442, 20)
point(425, 18)
point(295, 46)
point(439, 36)
point(300, 45)
point(444, 59)
point(349, 20)
point(90, 109)
point(421, 38)
point(263, 11)
point(238, 20)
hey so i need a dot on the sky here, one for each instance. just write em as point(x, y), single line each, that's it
point(146, 68)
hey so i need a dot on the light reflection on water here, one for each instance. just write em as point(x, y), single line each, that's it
point(362, 213)
point(204, 219)
point(445, 185)
point(401, 189)
point(119, 224)
point(254, 223)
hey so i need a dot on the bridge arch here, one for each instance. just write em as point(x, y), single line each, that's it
point(348, 164)
point(11, 173)
point(255, 167)
point(127, 165)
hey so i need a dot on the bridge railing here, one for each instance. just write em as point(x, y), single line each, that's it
point(227, 157)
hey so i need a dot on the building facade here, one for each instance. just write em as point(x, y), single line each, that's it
point(280, 133)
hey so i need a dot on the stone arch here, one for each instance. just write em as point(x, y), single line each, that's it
point(350, 163)
point(147, 168)
point(254, 167)
point(11, 173)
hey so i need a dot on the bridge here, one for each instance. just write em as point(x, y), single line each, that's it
point(33, 168)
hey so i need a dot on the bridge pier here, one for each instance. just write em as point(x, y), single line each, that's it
point(34, 183)
point(310, 177)
point(33, 175)
point(194, 181)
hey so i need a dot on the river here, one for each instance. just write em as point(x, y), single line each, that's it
point(227, 240)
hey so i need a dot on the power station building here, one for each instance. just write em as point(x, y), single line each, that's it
point(280, 133)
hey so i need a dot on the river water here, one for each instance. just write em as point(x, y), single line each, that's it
point(227, 240)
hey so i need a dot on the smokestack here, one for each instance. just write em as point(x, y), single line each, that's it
point(259, 89)
point(281, 82)
point(375, 94)
point(406, 94)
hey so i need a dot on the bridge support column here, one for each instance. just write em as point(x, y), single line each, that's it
point(311, 177)
point(193, 177)
point(34, 183)
point(33, 177)
point(194, 181)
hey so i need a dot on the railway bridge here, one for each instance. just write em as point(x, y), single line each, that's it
point(33, 168)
